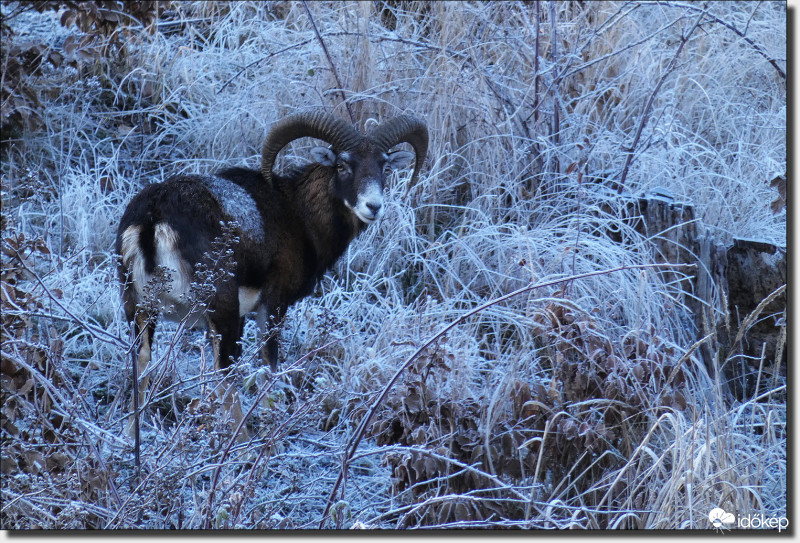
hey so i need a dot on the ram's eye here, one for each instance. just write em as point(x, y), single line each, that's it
point(340, 167)
point(387, 170)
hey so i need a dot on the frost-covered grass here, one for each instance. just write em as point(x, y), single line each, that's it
point(497, 207)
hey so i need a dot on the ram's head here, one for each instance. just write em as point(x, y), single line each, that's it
point(360, 163)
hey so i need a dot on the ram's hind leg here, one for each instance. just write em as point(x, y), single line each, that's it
point(225, 330)
point(144, 326)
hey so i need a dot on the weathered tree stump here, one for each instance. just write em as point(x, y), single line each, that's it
point(736, 294)
point(756, 286)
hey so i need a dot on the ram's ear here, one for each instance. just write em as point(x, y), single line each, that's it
point(324, 156)
point(400, 159)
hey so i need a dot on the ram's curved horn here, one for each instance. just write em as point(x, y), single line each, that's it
point(404, 128)
point(317, 124)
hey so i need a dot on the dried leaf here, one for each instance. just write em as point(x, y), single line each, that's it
point(34, 461)
point(678, 400)
point(779, 184)
point(413, 403)
point(55, 58)
point(68, 18)
point(24, 389)
point(56, 461)
point(8, 465)
point(570, 429)
point(70, 44)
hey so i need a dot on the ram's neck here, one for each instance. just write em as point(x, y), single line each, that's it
point(329, 225)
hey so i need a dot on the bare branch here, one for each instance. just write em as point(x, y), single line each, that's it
point(330, 62)
point(733, 29)
point(646, 113)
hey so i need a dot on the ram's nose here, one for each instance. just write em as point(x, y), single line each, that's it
point(368, 211)
point(369, 203)
point(375, 208)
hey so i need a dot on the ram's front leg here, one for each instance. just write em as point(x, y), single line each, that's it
point(269, 328)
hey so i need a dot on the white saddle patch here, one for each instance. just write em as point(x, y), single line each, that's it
point(238, 205)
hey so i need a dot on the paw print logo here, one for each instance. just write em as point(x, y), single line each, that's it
point(720, 519)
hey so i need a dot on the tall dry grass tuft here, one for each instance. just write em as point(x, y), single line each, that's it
point(582, 402)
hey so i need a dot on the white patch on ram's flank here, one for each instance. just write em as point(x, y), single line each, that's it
point(248, 300)
point(174, 301)
point(133, 259)
point(168, 255)
point(238, 205)
point(371, 195)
